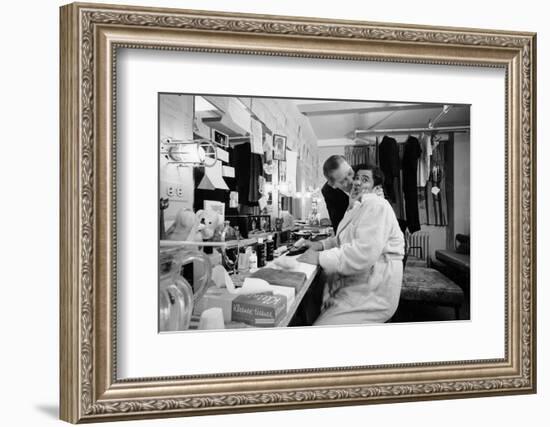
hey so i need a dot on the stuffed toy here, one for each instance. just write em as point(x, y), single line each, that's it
point(185, 227)
point(210, 223)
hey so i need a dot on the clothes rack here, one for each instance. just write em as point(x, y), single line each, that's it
point(441, 129)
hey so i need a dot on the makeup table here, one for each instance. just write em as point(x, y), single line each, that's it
point(311, 272)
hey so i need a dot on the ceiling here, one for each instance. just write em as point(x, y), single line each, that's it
point(353, 122)
point(335, 122)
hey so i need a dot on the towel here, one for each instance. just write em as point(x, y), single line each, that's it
point(294, 279)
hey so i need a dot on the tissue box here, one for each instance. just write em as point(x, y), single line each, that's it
point(274, 276)
point(289, 293)
point(215, 297)
point(251, 283)
point(259, 310)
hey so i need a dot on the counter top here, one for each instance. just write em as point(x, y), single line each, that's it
point(310, 272)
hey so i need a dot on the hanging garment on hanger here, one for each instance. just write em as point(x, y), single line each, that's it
point(250, 167)
point(410, 165)
point(240, 160)
point(371, 154)
point(388, 153)
point(400, 195)
point(256, 171)
point(424, 160)
point(436, 180)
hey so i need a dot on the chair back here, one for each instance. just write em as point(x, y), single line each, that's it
point(417, 244)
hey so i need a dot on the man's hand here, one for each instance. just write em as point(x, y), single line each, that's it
point(314, 246)
point(378, 190)
point(309, 257)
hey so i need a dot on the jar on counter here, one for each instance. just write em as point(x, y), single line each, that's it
point(261, 252)
point(243, 263)
point(253, 262)
point(270, 247)
point(176, 296)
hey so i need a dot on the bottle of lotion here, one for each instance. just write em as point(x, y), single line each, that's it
point(270, 246)
point(261, 252)
point(253, 262)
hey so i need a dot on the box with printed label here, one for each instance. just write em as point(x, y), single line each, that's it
point(259, 310)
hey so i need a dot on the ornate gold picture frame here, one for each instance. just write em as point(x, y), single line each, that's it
point(90, 37)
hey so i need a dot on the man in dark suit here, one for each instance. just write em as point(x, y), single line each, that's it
point(339, 175)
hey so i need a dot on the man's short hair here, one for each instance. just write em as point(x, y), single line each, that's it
point(377, 174)
point(331, 164)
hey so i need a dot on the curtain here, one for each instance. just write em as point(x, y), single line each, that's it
point(361, 154)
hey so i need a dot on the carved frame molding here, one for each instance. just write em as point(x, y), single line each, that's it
point(90, 37)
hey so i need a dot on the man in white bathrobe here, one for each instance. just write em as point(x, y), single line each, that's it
point(363, 260)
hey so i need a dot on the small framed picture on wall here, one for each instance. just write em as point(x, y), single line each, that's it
point(220, 138)
point(279, 147)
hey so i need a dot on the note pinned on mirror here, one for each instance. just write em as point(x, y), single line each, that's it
point(222, 155)
point(228, 171)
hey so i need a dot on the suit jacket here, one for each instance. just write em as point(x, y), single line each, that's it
point(388, 152)
point(337, 203)
point(411, 154)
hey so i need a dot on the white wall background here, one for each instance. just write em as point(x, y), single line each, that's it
point(461, 183)
point(29, 172)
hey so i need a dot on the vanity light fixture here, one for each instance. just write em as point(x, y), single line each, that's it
point(196, 152)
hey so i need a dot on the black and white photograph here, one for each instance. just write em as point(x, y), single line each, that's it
point(279, 147)
point(220, 138)
point(371, 226)
point(266, 209)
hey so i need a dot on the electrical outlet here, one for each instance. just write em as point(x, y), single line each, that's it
point(174, 190)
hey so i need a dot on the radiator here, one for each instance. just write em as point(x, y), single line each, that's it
point(419, 245)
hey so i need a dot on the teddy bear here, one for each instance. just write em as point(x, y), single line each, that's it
point(185, 227)
point(210, 223)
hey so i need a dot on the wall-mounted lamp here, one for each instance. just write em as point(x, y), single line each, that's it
point(196, 152)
